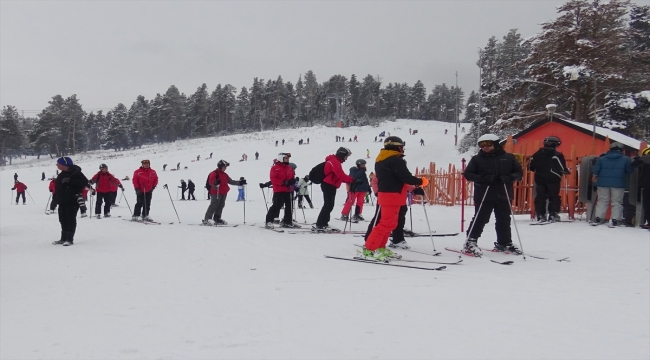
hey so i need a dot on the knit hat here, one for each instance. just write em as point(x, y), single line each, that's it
point(65, 161)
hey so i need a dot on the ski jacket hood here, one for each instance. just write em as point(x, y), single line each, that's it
point(334, 174)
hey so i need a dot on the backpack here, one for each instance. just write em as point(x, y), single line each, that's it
point(317, 173)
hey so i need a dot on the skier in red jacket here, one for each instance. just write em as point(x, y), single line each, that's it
point(334, 176)
point(219, 188)
point(144, 181)
point(20, 191)
point(105, 182)
point(282, 178)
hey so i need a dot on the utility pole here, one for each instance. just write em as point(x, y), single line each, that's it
point(480, 86)
point(456, 111)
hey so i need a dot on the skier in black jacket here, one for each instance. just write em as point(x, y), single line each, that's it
point(549, 165)
point(69, 185)
point(493, 171)
point(190, 189)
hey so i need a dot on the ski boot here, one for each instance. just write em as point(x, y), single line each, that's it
point(344, 218)
point(208, 222)
point(291, 225)
point(541, 219)
point(553, 217)
point(269, 225)
point(389, 254)
point(98, 216)
point(84, 215)
point(472, 248)
point(507, 248)
point(399, 245)
point(147, 219)
point(135, 218)
point(107, 215)
point(220, 222)
point(598, 221)
point(358, 218)
point(365, 254)
point(68, 243)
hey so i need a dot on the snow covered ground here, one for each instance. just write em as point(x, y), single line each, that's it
point(133, 291)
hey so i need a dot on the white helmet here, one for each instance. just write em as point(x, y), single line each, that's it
point(488, 137)
point(281, 156)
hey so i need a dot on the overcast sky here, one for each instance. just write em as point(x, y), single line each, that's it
point(109, 52)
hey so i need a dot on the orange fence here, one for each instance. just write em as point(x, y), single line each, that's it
point(446, 187)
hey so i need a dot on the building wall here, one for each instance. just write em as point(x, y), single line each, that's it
point(529, 143)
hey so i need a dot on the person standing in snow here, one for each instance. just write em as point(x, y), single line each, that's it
point(219, 188)
point(358, 190)
point(183, 188)
point(145, 180)
point(493, 172)
point(68, 188)
point(241, 196)
point(178, 166)
point(549, 165)
point(393, 178)
point(104, 183)
point(611, 171)
point(421, 142)
point(164, 167)
point(282, 179)
point(257, 155)
point(334, 177)
point(303, 191)
point(43, 176)
point(20, 191)
point(190, 190)
point(15, 177)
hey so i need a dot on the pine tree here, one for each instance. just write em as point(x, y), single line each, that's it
point(117, 135)
point(418, 98)
point(11, 137)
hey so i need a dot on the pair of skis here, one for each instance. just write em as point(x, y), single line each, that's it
point(377, 262)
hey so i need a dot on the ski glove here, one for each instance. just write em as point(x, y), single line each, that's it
point(65, 180)
point(138, 192)
point(120, 186)
point(242, 182)
point(262, 185)
point(418, 191)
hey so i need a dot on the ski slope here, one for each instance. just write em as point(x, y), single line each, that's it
point(132, 291)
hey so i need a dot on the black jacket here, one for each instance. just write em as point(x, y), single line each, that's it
point(190, 185)
point(360, 183)
point(66, 193)
point(183, 186)
point(393, 173)
point(548, 164)
point(644, 172)
point(488, 169)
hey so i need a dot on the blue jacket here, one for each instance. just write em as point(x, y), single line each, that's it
point(612, 170)
point(360, 183)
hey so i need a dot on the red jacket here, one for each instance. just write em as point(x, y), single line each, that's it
point(106, 182)
point(279, 173)
point(334, 174)
point(223, 186)
point(52, 186)
point(145, 179)
point(19, 187)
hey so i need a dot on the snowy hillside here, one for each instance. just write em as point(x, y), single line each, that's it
point(132, 291)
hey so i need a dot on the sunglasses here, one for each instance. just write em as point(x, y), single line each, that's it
point(485, 143)
point(145, 162)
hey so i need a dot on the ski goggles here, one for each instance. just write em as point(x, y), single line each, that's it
point(146, 162)
point(485, 143)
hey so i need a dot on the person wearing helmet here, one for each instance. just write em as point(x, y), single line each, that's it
point(393, 178)
point(493, 172)
point(145, 180)
point(358, 190)
point(610, 172)
point(644, 184)
point(282, 178)
point(104, 182)
point(334, 176)
point(69, 185)
point(549, 165)
point(183, 188)
point(303, 191)
point(219, 181)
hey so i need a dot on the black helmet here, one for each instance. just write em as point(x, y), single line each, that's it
point(342, 152)
point(360, 162)
point(222, 163)
point(394, 143)
point(552, 141)
point(103, 166)
point(306, 177)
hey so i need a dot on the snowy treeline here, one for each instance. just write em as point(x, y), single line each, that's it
point(64, 127)
point(593, 61)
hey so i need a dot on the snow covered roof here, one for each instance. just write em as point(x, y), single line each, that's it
point(613, 135)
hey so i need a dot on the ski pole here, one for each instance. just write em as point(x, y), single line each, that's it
point(265, 204)
point(428, 225)
point(172, 201)
point(303, 213)
point(48, 202)
point(176, 193)
point(121, 196)
point(410, 200)
point(30, 196)
point(513, 221)
point(372, 202)
point(127, 202)
point(476, 214)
